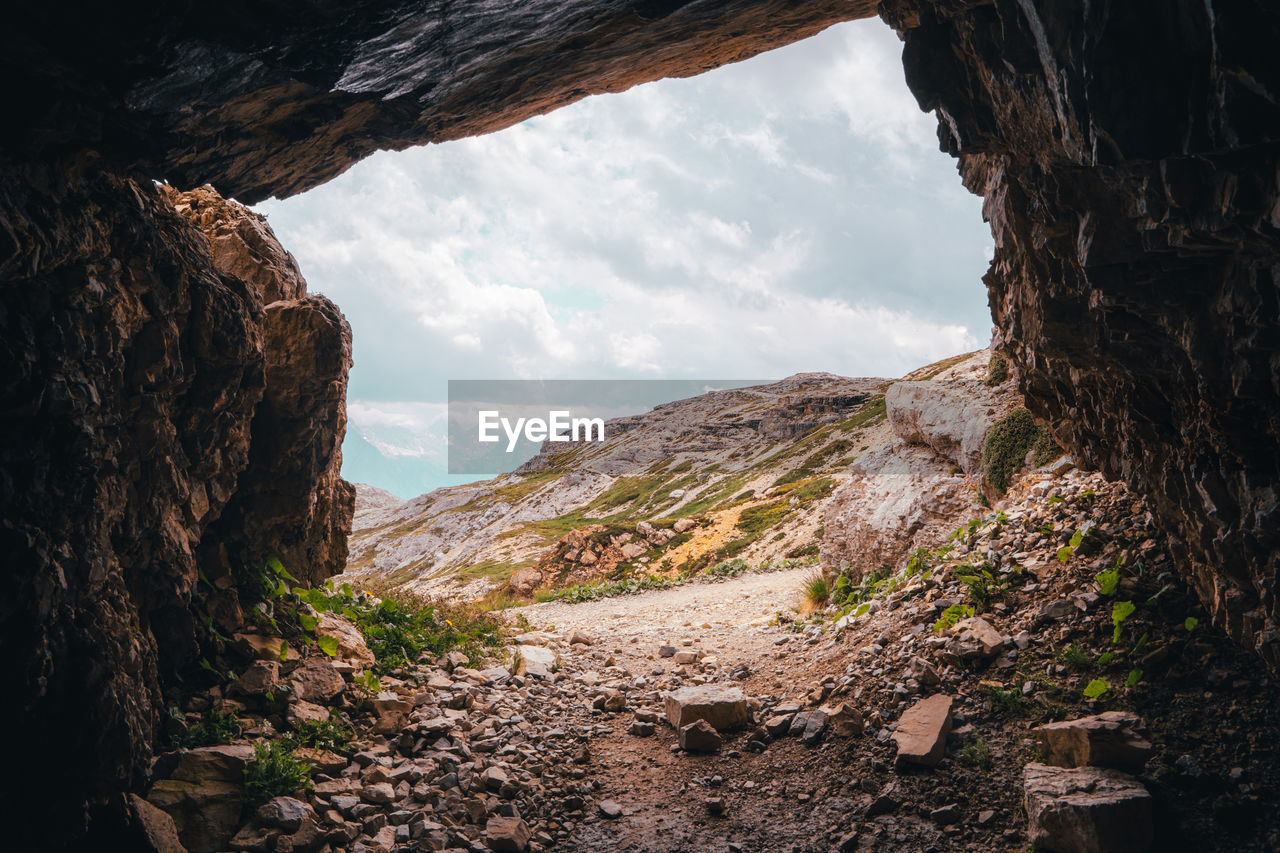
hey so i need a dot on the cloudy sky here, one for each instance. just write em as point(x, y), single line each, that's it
point(789, 213)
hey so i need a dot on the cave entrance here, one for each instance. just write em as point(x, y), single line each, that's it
point(784, 214)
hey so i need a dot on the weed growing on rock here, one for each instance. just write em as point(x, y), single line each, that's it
point(817, 592)
point(332, 734)
point(275, 772)
point(216, 728)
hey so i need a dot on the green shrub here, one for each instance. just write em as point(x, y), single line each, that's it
point(275, 772)
point(216, 728)
point(997, 369)
point(976, 753)
point(1006, 447)
point(331, 734)
point(952, 616)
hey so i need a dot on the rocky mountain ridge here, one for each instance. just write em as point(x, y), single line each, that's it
point(860, 471)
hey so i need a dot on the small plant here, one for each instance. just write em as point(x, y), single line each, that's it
point(952, 616)
point(1096, 688)
point(1006, 447)
point(1135, 676)
point(1191, 623)
point(817, 592)
point(976, 753)
point(1007, 701)
point(1120, 611)
point(1106, 657)
point(1074, 657)
point(1109, 579)
point(216, 728)
point(275, 772)
point(331, 734)
point(1053, 501)
point(368, 681)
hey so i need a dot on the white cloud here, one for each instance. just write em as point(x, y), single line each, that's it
point(785, 214)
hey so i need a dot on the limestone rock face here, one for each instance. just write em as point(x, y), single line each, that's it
point(899, 497)
point(951, 417)
point(1127, 159)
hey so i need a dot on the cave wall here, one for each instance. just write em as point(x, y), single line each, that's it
point(149, 399)
point(1127, 153)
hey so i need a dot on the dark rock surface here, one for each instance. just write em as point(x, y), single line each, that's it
point(139, 383)
point(263, 99)
point(1127, 153)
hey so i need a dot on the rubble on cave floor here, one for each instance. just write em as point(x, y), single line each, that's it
point(991, 692)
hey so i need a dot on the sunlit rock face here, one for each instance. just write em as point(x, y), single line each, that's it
point(1128, 156)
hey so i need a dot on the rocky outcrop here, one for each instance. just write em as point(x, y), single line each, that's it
point(912, 491)
point(135, 372)
point(1127, 156)
point(899, 497)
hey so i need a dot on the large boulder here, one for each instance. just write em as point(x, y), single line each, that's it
point(1086, 810)
point(724, 708)
point(952, 417)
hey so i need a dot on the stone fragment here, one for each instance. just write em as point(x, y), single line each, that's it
point(284, 813)
point(536, 661)
point(844, 719)
point(666, 651)
point(975, 637)
point(262, 648)
point(725, 708)
point(205, 813)
point(157, 830)
point(922, 731)
point(507, 834)
point(609, 809)
point(317, 681)
point(379, 793)
point(1109, 739)
point(578, 638)
point(687, 656)
point(700, 736)
point(1086, 810)
point(683, 524)
point(641, 729)
point(351, 644)
point(262, 677)
point(305, 712)
point(814, 727)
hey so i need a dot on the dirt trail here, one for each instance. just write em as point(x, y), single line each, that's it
point(787, 798)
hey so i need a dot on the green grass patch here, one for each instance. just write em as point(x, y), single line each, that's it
point(1006, 447)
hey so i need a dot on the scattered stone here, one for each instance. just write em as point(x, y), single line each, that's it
point(699, 736)
point(715, 805)
point(609, 809)
point(843, 719)
point(262, 677)
point(578, 638)
point(666, 651)
point(946, 815)
point(1086, 810)
point(687, 657)
point(156, 826)
point(507, 834)
point(641, 729)
point(725, 708)
point(317, 681)
point(351, 645)
point(536, 661)
point(284, 813)
point(1102, 740)
point(922, 732)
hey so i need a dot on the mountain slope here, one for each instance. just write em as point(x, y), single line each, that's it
point(752, 467)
